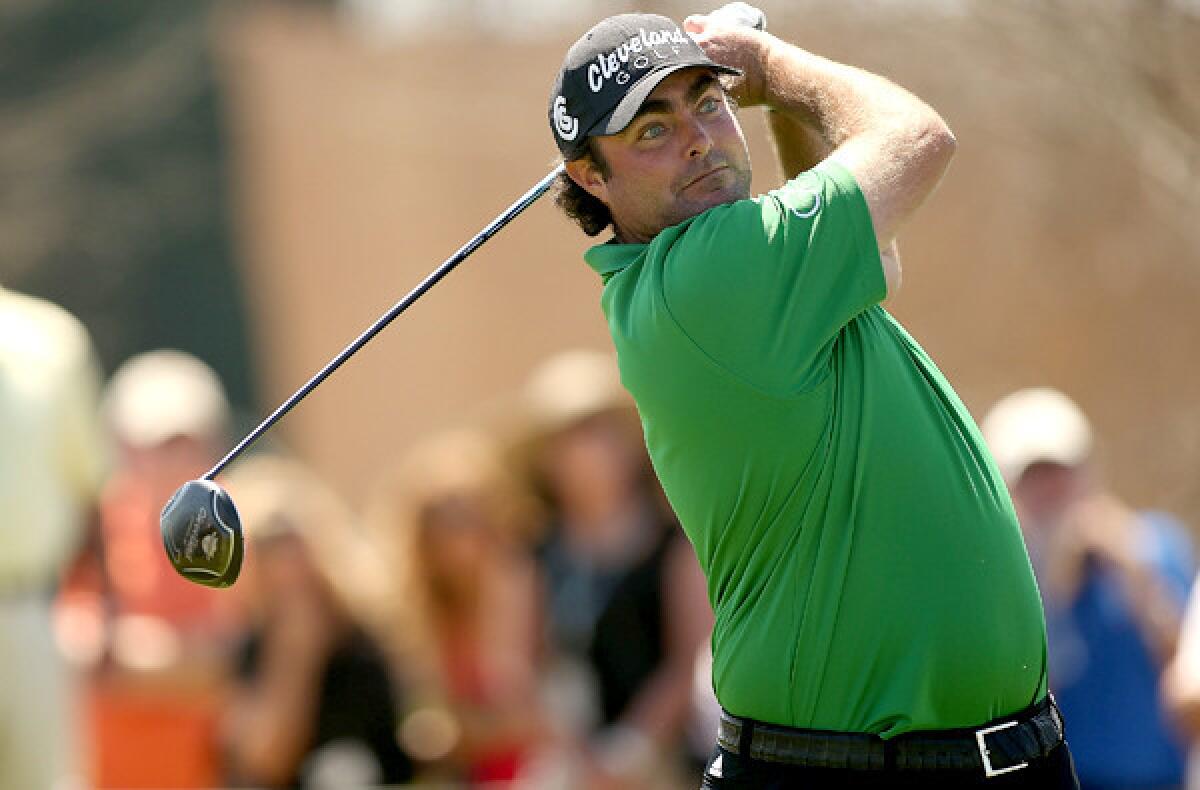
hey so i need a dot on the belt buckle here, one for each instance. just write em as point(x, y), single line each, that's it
point(981, 740)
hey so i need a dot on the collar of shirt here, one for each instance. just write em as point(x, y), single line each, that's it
point(609, 258)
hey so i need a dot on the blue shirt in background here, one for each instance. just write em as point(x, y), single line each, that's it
point(1105, 677)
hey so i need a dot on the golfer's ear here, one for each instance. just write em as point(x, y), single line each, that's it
point(583, 171)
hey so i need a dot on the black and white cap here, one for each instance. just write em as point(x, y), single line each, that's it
point(608, 73)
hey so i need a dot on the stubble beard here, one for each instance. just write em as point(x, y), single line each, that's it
point(737, 189)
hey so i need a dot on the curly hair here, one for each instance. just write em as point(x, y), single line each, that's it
point(577, 203)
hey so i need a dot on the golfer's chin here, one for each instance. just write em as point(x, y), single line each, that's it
point(710, 193)
point(723, 186)
point(694, 199)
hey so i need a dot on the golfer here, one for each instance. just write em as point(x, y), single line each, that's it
point(877, 620)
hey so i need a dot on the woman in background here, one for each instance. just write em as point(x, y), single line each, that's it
point(464, 625)
point(627, 612)
point(313, 704)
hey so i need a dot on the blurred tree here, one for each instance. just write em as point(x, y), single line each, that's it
point(1090, 111)
point(112, 193)
point(1132, 65)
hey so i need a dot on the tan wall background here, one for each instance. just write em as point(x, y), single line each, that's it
point(1062, 248)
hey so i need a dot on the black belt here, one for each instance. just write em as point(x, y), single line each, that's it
point(1000, 747)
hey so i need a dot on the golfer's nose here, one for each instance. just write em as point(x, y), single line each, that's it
point(699, 141)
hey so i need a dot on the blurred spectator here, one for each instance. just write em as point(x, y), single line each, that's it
point(627, 608)
point(1181, 685)
point(154, 642)
point(169, 415)
point(1114, 582)
point(51, 466)
point(464, 623)
point(314, 705)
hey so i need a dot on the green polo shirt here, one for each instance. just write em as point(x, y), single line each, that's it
point(863, 557)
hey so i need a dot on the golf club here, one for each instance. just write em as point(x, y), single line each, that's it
point(201, 529)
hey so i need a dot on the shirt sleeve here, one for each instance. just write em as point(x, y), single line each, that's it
point(764, 286)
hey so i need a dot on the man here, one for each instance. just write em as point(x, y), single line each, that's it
point(1115, 583)
point(52, 455)
point(877, 620)
point(156, 658)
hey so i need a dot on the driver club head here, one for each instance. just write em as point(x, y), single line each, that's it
point(202, 534)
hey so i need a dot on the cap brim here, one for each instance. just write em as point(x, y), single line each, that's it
point(624, 112)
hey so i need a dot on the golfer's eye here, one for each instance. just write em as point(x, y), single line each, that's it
point(652, 131)
point(709, 104)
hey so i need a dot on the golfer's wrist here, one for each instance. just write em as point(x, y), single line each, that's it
point(785, 68)
point(755, 66)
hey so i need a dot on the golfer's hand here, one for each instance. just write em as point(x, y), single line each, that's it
point(734, 45)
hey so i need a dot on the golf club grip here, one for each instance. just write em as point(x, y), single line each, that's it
point(490, 230)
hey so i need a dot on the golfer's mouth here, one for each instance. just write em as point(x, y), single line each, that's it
point(698, 180)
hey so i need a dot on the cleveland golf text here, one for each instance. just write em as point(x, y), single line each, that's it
point(608, 65)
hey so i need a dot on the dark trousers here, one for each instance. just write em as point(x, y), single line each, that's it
point(728, 771)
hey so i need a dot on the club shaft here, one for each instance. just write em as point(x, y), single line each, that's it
point(499, 222)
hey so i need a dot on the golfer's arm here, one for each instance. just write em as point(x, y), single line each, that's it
point(896, 146)
point(799, 147)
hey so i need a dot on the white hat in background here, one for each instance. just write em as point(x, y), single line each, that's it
point(1037, 424)
point(574, 385)
point(158, 395)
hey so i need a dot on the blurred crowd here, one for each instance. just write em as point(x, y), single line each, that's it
point(510, 608)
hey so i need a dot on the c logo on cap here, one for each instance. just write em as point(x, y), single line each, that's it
point(567, 126)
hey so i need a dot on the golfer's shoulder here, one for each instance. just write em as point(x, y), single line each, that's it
point(816, 193)
point(827, 192)
point(715, 233)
